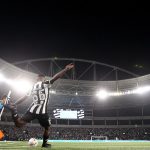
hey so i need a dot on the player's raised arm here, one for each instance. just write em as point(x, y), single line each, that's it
point(61, 73)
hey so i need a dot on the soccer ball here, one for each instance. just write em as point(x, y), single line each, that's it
point(33, 142)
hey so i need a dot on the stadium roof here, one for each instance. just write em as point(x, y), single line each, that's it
point(70, 86)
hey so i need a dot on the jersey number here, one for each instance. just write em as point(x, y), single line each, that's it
point(41, 98)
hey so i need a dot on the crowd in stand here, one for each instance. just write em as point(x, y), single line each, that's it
point(110, 133)
point(12, 133)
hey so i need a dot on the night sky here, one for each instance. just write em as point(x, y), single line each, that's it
point(113, 33)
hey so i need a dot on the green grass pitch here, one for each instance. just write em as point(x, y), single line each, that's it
point(79, 146)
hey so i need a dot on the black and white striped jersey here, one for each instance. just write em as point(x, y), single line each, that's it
point(40, 95)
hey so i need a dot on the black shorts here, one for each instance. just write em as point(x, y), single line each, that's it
point(43, 119)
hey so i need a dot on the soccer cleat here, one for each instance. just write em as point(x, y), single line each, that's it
point(46, 145)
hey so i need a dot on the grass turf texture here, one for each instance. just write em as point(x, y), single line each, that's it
point(79, 146)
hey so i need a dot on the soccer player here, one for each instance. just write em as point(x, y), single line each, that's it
point(2, 103)
point(38, 108)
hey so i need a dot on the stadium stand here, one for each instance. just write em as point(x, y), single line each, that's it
point(61, 133)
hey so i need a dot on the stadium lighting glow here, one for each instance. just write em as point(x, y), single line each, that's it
point(142, 90)
point(120, 93)
point(102, 94)
point(2, 78)
point(52, 91)
point(22, 85)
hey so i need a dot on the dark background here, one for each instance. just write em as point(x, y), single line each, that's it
point(115, 33)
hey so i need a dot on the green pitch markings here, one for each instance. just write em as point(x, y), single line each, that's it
point(78, 146)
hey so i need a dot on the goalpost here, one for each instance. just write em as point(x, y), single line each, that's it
point(99, 138)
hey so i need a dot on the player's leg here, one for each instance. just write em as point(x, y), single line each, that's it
point(19, 121)
point(45, 137)
point(26, 118)
point(44, 121)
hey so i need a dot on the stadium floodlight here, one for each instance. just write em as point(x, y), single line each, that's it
point(22, 85)
point(121, 93)
point(102, 94)
point(142, 90)
point(2, 78)
point(52, 91)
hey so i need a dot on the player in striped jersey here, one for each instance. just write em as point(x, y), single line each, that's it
point(38, 108)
